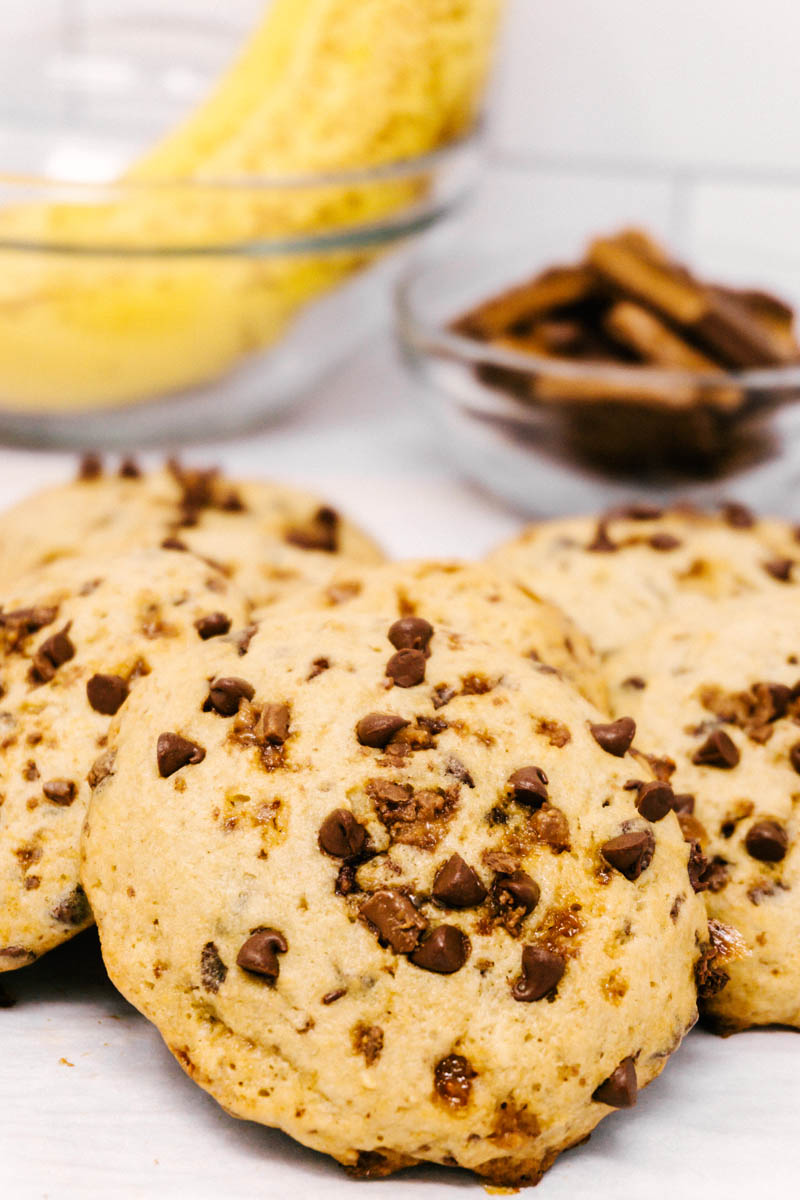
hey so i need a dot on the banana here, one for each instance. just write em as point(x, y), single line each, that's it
point(320, 86)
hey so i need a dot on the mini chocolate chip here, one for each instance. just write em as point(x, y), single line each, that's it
point(395, 919)
point(377, 729)
point(655, 800)
point(601, 543)
point(702, 873)
point(406, 668)
point(321, 532)
point(718, 750)
point(615, 737)
point(259, 954)
point(738, 516)
point(52, 654)
point(445, 951)
point(410, 633)
point(213, 971)
point(779, 568)
point(528, 786)
point(683, 802)
point(794, 756)
point(340, 834)
point(226, 694)
point(664, 541)
point(273, 724)
point(455, 767)
point(767, 841)
point(73, 909)
point(452, 1080)
point(442, 694)
point(630, 853)
point(457, 885)
point(332, 997)
point(107, 693)
point(173, 543)
point(636, 682)
point(541, 972)
point(620, 1089)
point(174, 752)
point(129, 469)
point(515, 890)
point(213, 625)
point(60, 791)
point(90, 467)
point(317, 667)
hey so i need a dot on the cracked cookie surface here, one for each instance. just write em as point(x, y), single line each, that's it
point(76, 639)
point(718, 693)
point(383, 887)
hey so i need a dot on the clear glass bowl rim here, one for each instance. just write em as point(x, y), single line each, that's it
point(427, 338)
point(24, 189)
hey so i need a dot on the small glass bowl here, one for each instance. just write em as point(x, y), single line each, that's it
point(120, 324)
point(592, 434)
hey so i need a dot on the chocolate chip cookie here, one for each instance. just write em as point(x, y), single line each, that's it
point(385, 886)
point(76, 640)
point(621, 573)
point(269, 538)
point(466, 596)
point(716, 693)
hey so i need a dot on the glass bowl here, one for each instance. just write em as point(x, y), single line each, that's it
point(554, 436)
point(137, 312)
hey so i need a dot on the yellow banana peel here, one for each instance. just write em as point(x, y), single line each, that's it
point(320, 86)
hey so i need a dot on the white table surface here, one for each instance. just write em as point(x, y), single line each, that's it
point(95, 1108)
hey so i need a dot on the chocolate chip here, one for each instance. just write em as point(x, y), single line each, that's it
point(794, 756)
point(259, 954)
point(630, 853)
point(317, 667)
point(129, 469)
point(767, 841)
point(321, 532)
point(779, 568)
point(23, 621)
point(601, 543)
point(515, 890)
point(226, 694)
point(445, 951)
point(73, 909)
point(60, 791)
point(406, 668)
point(655, 800)
point(664, 541)
point(273, 724)
point(107, 693)
point(699, 869)
point(174, 752)
point(332, 997)
point(377, 729)
point(340, 834)
point(620, 1089)
point(442, 694)
point(455, 767)
point(213, 971)
point(541, 971)
point(718, 750)
point(683, 802)
point(616, 737)
point(528, 786)
point(90, 467)
point(452, 1080)
point(101, 768)
point(636, 682)
point(411, 633)
point(173, 543)
point(241, 638)
point(213, 625)
point(395, 919)
point(738, 516)
point(457, 885)
point(52, 654)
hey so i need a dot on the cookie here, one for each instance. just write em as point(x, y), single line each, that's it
point(466, 596)
point(75, 639)
point(384, 887)
point(269, 538)
point(618, 575)
point(716, 693)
